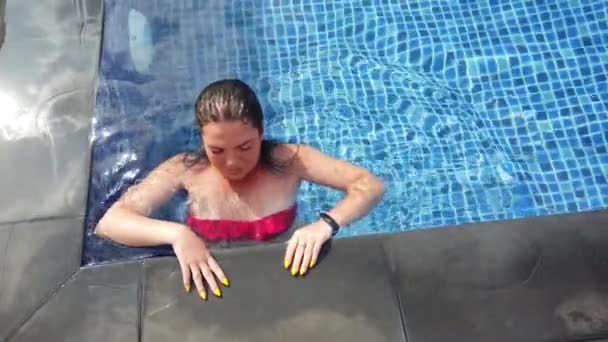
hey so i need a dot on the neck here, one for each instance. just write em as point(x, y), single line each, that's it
point(249, 179)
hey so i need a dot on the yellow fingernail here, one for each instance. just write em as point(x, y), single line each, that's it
point(294, 271)
point(187, 287)
point(302, 272)
point(217, 292)
point(203, 294)
point(225, 281)
point(312, 264)
point(287, 264)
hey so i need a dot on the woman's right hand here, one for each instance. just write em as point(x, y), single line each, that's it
point(197, 263)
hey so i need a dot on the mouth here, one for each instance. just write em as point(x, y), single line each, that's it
point(234, 172)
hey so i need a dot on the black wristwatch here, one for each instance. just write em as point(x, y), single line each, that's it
point(335, 227)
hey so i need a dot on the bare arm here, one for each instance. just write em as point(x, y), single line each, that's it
point(363, 189)
point(127, 221)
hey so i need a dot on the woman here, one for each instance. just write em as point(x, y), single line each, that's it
point(240, 187)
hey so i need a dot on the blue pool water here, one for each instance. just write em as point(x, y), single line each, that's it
point(469, 110)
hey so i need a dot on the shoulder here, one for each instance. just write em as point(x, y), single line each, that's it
point(176, 163)
point(302, 156)
point(180, 164)
point(312, 164)
point(293, 152)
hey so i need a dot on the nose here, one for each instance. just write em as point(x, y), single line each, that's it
point(231, 160)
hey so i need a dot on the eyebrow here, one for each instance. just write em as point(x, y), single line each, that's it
point(240, 145)
point(245, 143)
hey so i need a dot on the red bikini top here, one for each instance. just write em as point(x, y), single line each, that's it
point(261, 229)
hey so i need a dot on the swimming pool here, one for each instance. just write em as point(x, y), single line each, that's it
point(470, 111)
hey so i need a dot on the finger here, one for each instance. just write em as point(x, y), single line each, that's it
point(306, 257)
point(291, 249)
point(185, 276)
point(208, 275)
point(316, 249)
point(297, 259)
point(217, 270)
point(198, 280)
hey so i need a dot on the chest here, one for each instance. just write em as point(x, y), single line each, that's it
point(211, 198)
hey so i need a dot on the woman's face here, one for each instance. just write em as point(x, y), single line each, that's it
point(233, 147)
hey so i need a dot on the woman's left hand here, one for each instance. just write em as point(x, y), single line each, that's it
point(304, 246)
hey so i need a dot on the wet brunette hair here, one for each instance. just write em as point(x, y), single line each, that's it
point(229, 100)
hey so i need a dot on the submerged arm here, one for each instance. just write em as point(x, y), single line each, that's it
point(127, 221)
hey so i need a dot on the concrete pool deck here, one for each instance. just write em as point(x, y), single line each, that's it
point(534, 279)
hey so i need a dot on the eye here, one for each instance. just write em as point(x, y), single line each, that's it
point(245, 148)
point(216, 150)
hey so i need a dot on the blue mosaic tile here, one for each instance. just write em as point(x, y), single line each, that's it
point(470, 111)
